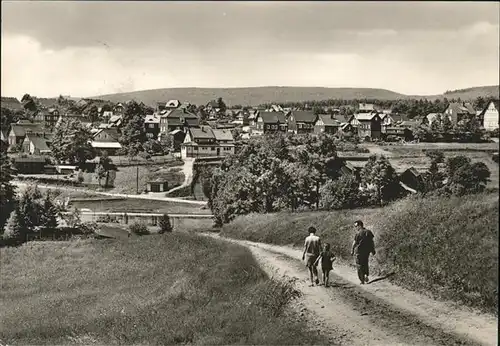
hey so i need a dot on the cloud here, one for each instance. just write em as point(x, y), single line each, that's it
point(88, 48)
point(28, 68)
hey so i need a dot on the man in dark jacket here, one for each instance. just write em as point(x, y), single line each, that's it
point(363, 245)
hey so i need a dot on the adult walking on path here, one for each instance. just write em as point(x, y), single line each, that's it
point(362, 246)
point(312, 249)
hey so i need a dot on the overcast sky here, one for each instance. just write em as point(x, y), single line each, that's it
point(92, 48)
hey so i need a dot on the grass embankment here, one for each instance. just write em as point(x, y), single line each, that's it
point(162, 289)
point(140, 205)
point(448, 247)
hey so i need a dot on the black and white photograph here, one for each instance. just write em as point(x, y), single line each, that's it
point(249, 172)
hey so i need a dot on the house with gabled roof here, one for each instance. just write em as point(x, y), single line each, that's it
point(458, 111)
point(179, 118)
point(152, 125)
point(269, 122)
point(173, 104)
point(207, 142)
point(390, 120)
point(106, 140)
point(489, 115)
point(368, 125)
point(366, 107)
point(119, 109)
point(300, 122)
point(19, 130)
point(326, 123)
point(47, 117)
point(37, 143)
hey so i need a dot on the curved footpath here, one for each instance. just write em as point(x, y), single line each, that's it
point(146, 196)
point(379, 313)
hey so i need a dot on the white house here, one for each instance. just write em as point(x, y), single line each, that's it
point(489, 115)
point(207, 142)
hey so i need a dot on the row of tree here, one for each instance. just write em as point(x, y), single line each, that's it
point(272, 174)
point(441, 129)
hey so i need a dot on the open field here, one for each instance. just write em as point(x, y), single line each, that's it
point(158, 290)
point(403, 149)
point(448, 247)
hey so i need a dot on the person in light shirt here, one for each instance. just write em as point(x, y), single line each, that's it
point(312, 250)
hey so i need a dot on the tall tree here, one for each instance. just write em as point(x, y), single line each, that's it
point(14, 228)
point(7, 190)
point(71, 142)
point(221, 105)
point(133, 135)
point(103, 169)
point(48, 217)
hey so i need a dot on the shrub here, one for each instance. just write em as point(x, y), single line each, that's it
point(87, 228)
point(13, 228)
point(165, 225)
point(139, 228)
point(340, 194)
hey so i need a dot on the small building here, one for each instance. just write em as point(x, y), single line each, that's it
point(152, 125)
point(459, 111)
point(106, 140)
point(489, 115)
point(157, 185)
point(326, 124)
point(270, 122)
point(412, 179)
point(300, 122)
point(369, 125)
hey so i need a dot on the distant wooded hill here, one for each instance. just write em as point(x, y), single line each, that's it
point(260, 95)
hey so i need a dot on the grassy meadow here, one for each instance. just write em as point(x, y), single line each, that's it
point(159, 289)
point(445, 246)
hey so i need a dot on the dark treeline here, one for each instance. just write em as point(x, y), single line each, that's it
point(409, 107)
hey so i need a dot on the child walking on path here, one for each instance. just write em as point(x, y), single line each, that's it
point(327, 258)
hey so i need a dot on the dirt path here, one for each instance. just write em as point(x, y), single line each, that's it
point(376, 314)
point(187, 170)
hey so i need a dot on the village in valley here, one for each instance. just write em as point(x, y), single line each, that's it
point(154, 190)
point(174, 130)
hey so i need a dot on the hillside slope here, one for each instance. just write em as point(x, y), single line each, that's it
point(251, 96)
point(258, 95)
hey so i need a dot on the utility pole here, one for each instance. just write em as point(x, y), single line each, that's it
point(137, 179)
